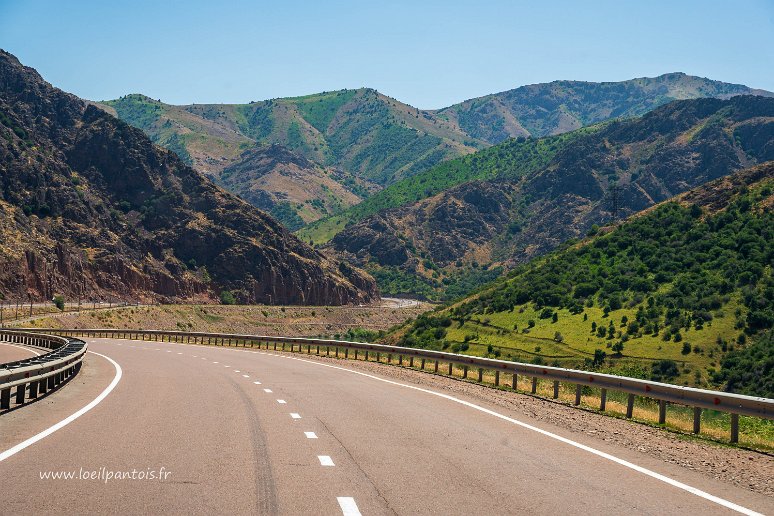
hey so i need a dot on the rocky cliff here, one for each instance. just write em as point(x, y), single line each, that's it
point(91, 207)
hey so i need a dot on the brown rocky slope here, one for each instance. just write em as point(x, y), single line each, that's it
point(89, 206)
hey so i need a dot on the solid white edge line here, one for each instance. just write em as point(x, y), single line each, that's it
point(21, 347)
point(674, 483)
point(69, 419)
point(348, 506)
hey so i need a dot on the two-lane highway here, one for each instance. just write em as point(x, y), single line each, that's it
point(246, 431)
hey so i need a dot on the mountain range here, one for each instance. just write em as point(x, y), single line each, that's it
point(681, 292)
point(92, 208)
point(365, 140)
point(515, 201)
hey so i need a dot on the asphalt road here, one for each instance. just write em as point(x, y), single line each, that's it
point(13, 352)
point(312, 438)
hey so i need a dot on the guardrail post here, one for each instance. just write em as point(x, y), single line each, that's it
point(318, 350)
point(5, 398)
point(346, 353)
point(578, 391)
point(20, 391)
point(630, 406)
point(603, 400)
point(556, 389)
point(423, 364)
point(480, 374)
point(497, 378)
point(661, 412)
point(378, 357)
point(33, 390)
point(534, 384)
point(42, 385)
point(411, 361)
point(51, 381)
point(734, 428)
point(464, 371)
point(514, 381)
point(337, 352)
point(327, 351)
point(356, 354)
point(366, 356)
point(451, 368)
point(400, 359)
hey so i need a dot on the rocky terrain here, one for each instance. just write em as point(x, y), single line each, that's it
point(288, 186)
point(90, 206)
point(372, 140)
point(561, 106)
point(508, 220)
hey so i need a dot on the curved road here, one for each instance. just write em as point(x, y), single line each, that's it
point(244, 431)
point(13, 352)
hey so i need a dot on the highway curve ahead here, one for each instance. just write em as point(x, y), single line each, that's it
point(245, 432)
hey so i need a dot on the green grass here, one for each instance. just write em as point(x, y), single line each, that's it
point(320, 109)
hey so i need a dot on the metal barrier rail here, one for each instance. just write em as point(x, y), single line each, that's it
point(699, 399)
point(39, 374)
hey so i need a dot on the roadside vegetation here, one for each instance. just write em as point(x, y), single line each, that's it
point(677, 295)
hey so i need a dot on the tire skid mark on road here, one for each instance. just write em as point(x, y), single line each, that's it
point(630, 465)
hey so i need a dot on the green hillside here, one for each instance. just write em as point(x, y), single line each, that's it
point(683, 293)
point(509, 160)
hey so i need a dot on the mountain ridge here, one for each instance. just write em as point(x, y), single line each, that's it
point(92, 208)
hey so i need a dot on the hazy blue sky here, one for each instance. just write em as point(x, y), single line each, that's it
point(426, 53)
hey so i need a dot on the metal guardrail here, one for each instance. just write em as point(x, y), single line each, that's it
point(37, 375)
point(699, 399)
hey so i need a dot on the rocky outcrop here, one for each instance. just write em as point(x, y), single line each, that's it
point(90, 207)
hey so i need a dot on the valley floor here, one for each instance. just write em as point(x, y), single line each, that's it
point(292, 321)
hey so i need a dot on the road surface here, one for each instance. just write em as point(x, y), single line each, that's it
point(13, 352)
point(242, 431)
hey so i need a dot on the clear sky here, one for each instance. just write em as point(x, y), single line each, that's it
point(427, 53)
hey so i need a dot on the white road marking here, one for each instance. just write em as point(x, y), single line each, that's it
point(348, 506)
point(282, 402)
point(295, 415)
point(674, 483)
point(245, 376)
point(69, 419)
point(22, 347)
point(216, 362)
point(267, 390)
point(325, 460)
point(225, 365)
point(257, 383)
point(310, 435)
point(168, 351)
point(179, 353)
point(237, 371)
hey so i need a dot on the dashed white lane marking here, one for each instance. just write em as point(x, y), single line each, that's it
point(348, 506)
point(325, 460)
point(225, 365)
point(179, 353)
point(281, 402)
point(295, 415)
point(245, 376)
point(257, 383)
point(237, 371)
point(675, 483)
point(663, 478)
point(216, 362)
point(267, 390)
point(310, 435)
point(168, 351)
point(69, 419)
